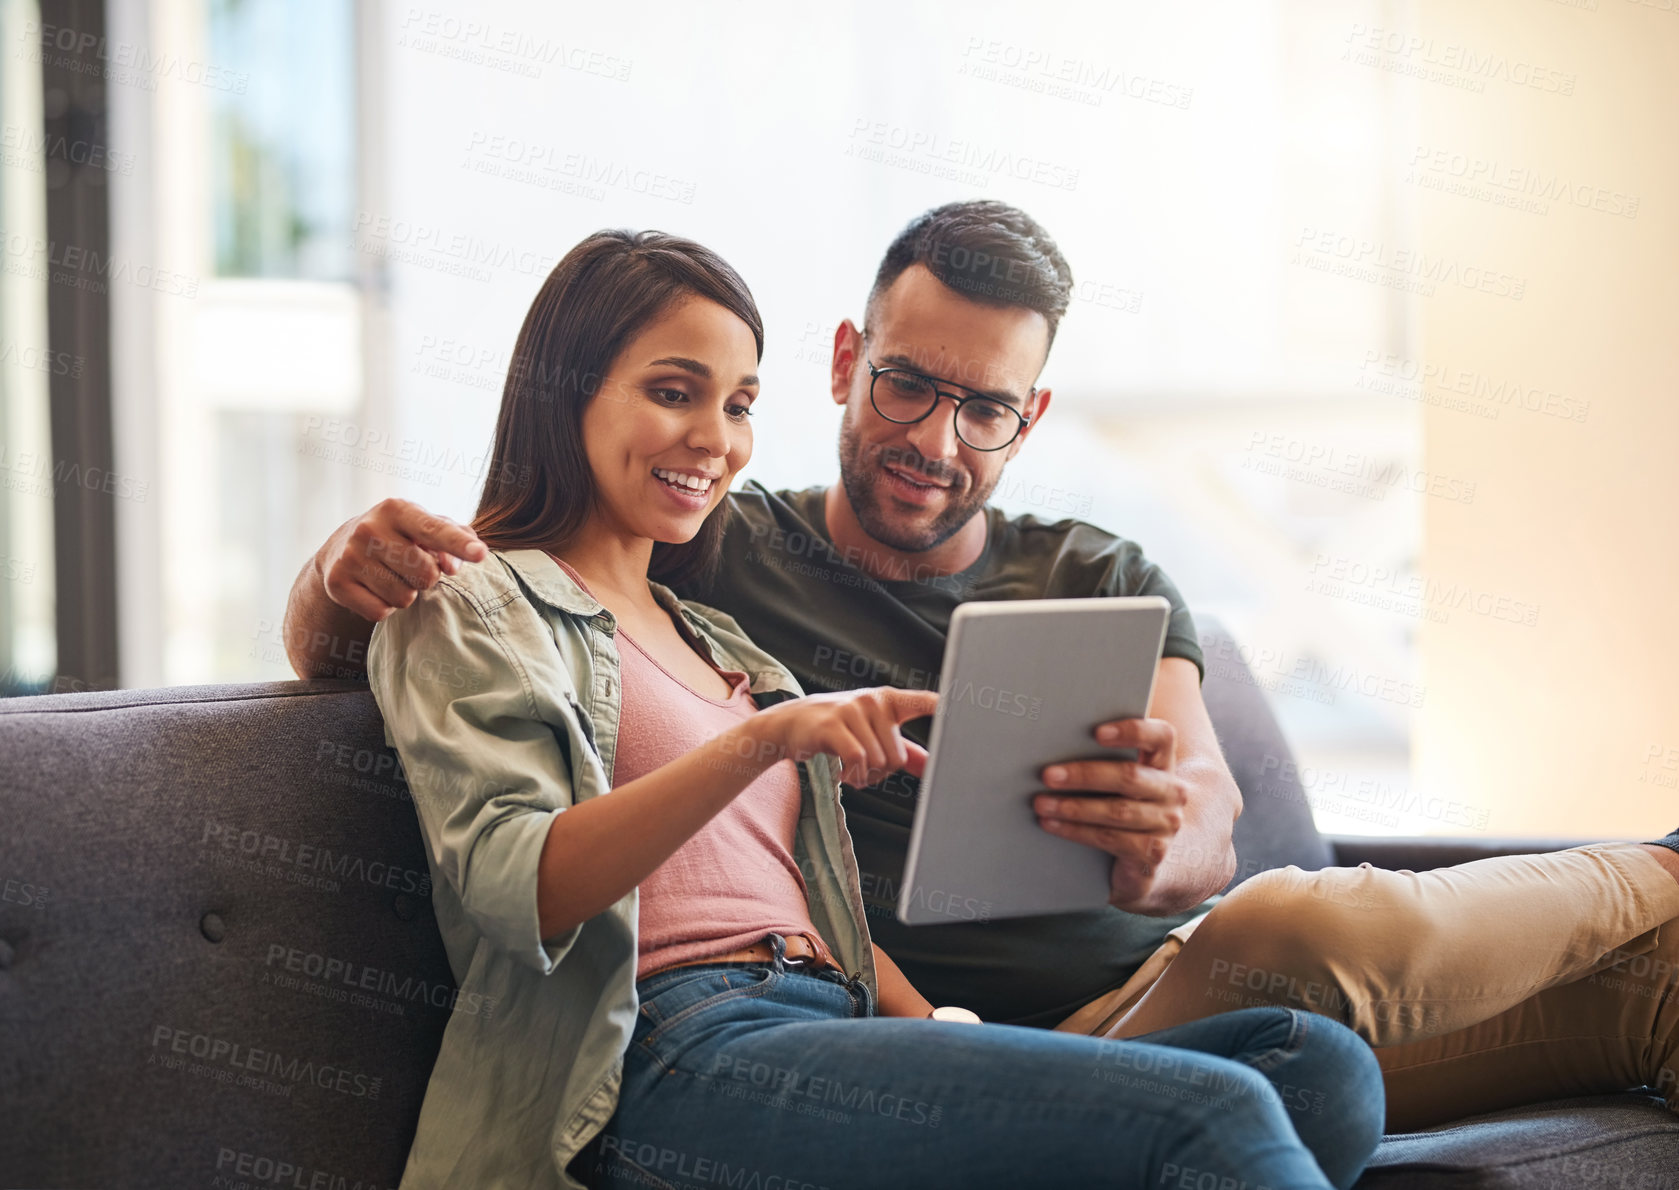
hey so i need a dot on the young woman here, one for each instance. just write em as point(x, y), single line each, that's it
point(640, 859)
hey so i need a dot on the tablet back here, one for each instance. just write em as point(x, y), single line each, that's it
point(1024, 684)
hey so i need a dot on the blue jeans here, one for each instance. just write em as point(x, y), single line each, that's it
point(780, 1077)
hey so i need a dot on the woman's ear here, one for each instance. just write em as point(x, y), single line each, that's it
point(848, 350)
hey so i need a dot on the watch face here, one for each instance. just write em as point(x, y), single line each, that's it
point(961, 1015)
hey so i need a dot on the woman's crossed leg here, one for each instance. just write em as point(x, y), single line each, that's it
point(752, 1076)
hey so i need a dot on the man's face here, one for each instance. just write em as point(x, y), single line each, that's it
point(913, 486)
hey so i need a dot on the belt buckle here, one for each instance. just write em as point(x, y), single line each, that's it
point(801, 961)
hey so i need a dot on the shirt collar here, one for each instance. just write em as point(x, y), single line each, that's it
point(549, 582)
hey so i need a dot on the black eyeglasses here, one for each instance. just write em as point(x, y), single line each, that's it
point(905, 396)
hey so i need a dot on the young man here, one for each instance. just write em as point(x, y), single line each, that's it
point(1481, 986)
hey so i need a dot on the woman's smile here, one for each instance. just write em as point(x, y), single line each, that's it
point(690, 489)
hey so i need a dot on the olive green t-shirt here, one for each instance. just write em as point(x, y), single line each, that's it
point(799, 598)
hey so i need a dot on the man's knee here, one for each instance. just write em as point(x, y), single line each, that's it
point(1262, 935)
point(1283, 908)
point(1335, 942)
point(1285, 930)
point(1343, 904)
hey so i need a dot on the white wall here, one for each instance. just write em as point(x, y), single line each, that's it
point(1569, 724)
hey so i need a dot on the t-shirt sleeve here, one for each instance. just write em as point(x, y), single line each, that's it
point(1139, 576)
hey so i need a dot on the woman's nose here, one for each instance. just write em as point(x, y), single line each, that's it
point(709, 432)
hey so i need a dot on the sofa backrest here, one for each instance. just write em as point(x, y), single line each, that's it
point(217, 951)
point(229, 965)
point(1276, 827)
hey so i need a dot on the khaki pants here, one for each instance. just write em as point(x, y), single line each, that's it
point(1496, 983)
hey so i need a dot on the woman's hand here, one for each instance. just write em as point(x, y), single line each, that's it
point(860, 727)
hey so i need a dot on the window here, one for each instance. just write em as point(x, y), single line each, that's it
point(282, 138)
point(27, 363)
point(249, 182)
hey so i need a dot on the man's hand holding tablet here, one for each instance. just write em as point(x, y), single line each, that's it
point(1130, 809)
point(1026, 686)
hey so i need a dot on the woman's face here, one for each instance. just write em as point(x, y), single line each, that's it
point(668, 429)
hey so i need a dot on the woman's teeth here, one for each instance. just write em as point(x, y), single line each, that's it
point(694, 485)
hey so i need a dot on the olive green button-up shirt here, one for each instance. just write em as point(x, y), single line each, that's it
point(500, 692)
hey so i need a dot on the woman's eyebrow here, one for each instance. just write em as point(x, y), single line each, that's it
point(683, 362)
point(702, 370)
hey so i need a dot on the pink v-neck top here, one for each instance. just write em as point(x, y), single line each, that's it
point(735, 879)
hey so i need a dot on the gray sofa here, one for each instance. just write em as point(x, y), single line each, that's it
point(219, 967)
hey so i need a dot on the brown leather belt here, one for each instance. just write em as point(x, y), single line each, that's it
point(802, 950)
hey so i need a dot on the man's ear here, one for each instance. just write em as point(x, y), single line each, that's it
point(1040, 406)
point(848, 350)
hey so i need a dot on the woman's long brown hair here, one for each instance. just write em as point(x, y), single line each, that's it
point(538, 489)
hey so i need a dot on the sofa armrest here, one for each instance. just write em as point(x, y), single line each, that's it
point(1422, 854)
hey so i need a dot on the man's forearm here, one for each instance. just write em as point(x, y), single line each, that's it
point(1202, 858)
point(323, 640)
point(370, 566)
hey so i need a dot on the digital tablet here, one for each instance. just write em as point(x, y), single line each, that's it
point(1023, 685)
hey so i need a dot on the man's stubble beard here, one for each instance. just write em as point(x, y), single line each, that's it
point(859, 471)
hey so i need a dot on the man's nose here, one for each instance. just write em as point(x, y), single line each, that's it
point(935, 435)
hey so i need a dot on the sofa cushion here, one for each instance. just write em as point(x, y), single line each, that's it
point(1612, 1142)
point(228, 966)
